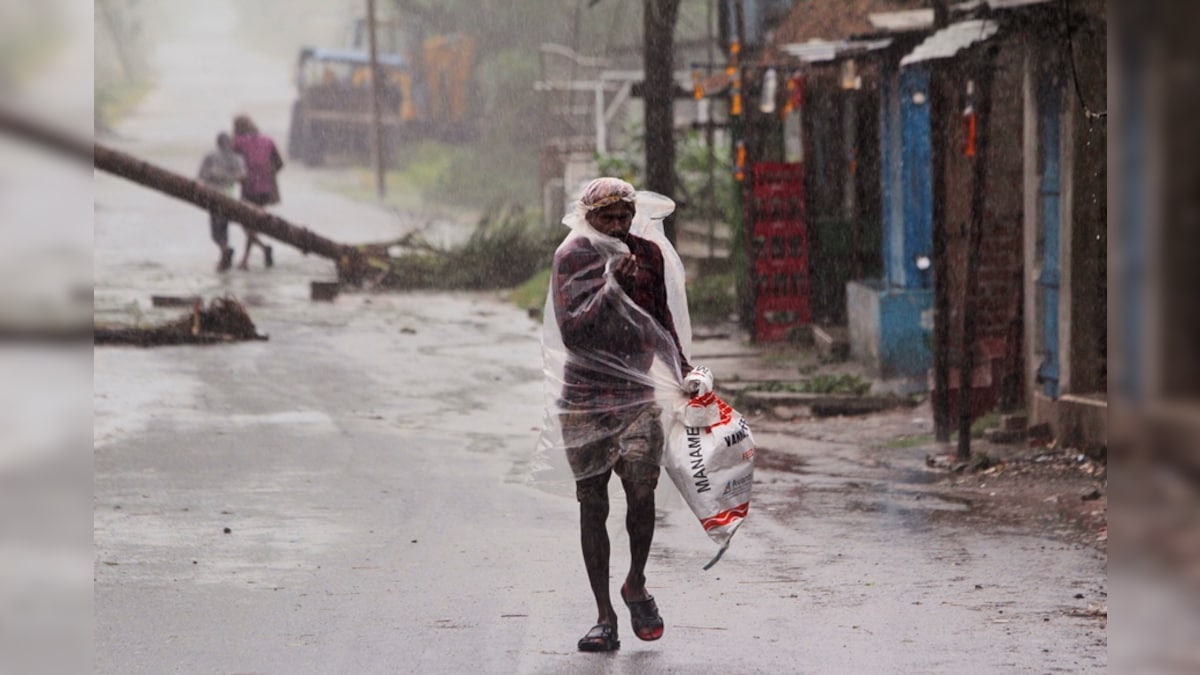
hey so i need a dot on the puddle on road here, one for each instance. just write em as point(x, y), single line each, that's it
point(919, 476)
point(908, 503)
point(766, 459)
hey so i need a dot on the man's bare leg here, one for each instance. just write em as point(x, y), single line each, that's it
point(639, 522)
point(251, 240)
point(245, 263)
point(593, 528)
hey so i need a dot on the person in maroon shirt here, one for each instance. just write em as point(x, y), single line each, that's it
point(610, 421)
point(259, 185)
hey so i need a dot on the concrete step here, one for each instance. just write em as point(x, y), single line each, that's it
point(690, 248)
point(1002, 436)
point(693, 229)
point(1014, 422)
point(704, 255)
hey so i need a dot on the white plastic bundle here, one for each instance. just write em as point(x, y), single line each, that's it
point(712, 466)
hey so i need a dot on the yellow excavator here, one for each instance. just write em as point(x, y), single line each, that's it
point(426, 86)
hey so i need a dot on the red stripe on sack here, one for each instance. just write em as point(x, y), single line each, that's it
point(726, 517)
point(726, 412)
point(703, 401)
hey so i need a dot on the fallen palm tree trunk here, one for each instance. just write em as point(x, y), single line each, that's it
point(224, 320)
point(351, 262)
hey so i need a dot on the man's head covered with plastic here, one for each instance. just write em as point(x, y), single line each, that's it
point(605, 191)
point(607, 205)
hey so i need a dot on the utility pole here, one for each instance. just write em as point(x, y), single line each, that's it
point(710, 198)
point(983, 86)
point(737, 131)
point(658, 63)
point(938, 109)
point(377, 141)
point(850, 154)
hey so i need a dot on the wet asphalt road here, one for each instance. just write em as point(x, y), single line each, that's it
point(360, 493)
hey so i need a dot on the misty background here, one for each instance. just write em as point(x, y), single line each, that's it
point(499, 162)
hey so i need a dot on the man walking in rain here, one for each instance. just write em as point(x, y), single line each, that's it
point(614, 361)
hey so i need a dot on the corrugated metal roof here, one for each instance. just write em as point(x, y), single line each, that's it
point(951, 40)
point(914, 20)
point(817, 51)
point(833, 19)
point(906, 21)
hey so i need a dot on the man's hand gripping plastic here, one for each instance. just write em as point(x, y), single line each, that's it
point(699, 382)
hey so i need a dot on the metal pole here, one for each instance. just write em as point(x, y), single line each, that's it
point(376, 104)
point(938, 109)
point(601, 127)
point(711, 198)
point(850, 190)
point(978, 203)
point(737, 132)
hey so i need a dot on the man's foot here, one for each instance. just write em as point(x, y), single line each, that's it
point(647, 624)
point(601, 638)
point(268, 259)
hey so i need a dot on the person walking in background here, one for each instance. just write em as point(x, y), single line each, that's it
point(222, 169)
point(259, 186)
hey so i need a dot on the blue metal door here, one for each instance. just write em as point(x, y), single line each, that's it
point(916, 173)
point(1049, 193)
point(890, 151)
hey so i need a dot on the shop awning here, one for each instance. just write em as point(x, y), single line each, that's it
point(818, 51)
point(951, 40)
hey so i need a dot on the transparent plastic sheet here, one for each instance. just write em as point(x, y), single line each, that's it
point(612, 384)
point(629, 357)
point(647, 224)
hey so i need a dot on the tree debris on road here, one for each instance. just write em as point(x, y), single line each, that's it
point(504, 250)
point(224, 320)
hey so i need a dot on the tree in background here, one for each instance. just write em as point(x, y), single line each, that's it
point(658, 35)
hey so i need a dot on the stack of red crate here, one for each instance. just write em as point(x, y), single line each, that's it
point(777, 247)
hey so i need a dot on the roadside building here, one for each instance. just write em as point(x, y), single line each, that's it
point(1155, 325)
point(813, 111)
point(1065, 244)
point(966, 157)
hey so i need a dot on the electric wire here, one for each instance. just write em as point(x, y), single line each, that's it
point(1087, 111)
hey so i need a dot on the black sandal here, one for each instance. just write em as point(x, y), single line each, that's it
point(647, 623)
point(601, 638)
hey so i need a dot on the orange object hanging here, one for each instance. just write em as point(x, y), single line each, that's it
point(739, 164)
point(969, 121)
point(796, 89)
